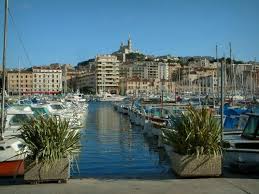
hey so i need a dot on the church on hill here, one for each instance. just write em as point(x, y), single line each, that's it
point(124, 50)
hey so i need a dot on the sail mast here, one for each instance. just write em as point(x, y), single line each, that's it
point(217, 61)
point(231, 71)
point(3, 74)
point(19, 73)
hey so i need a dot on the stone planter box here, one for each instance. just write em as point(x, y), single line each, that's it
point(193, 166)
point(60, 171)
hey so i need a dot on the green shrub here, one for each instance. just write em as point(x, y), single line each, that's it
point(48, 139)
point(194, 132)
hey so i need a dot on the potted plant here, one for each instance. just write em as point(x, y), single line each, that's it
point(194, 144)
point(49, 145)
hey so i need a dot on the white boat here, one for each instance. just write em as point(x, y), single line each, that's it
point(11, 158)
point(156, 119)
point(10, 163)
point(107, 97)
point(75, 113)
point(15, 117)
point(75, 97)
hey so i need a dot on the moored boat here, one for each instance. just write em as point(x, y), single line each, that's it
point(11, 159)
point(156, 119)
point(242, 151)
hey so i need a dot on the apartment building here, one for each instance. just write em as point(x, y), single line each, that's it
point(205, 85)
point(107, 74)
point(19, 82)
point(136, 86)
point(166, 86)
point(145, 70)
point(163, 71)
point(86, 80)
point(47, 80)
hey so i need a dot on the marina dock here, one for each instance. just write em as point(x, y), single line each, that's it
point(116, 158)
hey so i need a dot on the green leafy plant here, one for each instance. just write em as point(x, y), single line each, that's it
point(48, 139)
point(194, 132)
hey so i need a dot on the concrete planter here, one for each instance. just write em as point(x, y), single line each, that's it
point(193, 166)
point(59, 171)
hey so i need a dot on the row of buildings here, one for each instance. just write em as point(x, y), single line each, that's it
point(35, 80)
point(129, 72)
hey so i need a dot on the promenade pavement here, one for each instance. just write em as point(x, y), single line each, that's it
point(224, 185)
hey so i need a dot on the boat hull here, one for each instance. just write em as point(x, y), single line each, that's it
point(242, 159)
point(11, 168)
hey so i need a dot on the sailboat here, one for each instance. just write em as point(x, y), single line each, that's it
point(11, 161)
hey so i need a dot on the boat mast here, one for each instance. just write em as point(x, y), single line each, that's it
point(179, 82)
point(234, 76)
point(3, 74)
point(255, 78)
point(217, 61)
point(251, 80)
point(222, 97)
point(19, 73)
point(189, 85)
point(231, 71)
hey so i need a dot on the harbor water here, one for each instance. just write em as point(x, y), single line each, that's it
point(112, 148)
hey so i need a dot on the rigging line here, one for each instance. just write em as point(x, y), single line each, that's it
point(19, 37)
point(1, 22)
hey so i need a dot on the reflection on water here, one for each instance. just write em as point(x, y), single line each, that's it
point(111, 147)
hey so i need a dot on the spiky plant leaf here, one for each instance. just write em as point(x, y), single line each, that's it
point(48, 139)
point(194, 132)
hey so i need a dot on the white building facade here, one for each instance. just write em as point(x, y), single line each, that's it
point(47, 80)
point(107, 74)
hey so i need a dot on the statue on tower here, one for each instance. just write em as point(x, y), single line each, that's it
point(129, 44)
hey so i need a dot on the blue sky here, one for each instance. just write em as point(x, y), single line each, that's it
point(70, 31)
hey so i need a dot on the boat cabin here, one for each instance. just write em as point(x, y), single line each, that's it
point(15, 117)
point(251, 130)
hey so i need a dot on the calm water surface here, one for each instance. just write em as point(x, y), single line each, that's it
point(111, 147)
